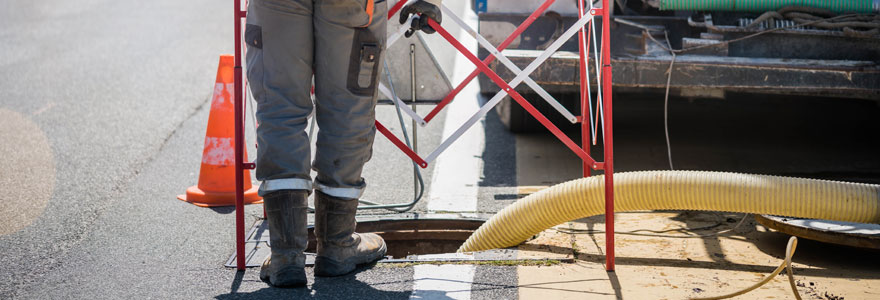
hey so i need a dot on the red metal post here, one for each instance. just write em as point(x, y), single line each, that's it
point(239, 144)
point(609, 141)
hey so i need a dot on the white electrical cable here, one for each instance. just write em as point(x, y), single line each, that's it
point(786, 264)
point(666, 103)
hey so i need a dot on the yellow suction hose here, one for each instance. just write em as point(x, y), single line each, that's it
point(678, 190)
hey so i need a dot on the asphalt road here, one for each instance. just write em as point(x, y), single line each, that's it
point(104, 104)
point(108, 83)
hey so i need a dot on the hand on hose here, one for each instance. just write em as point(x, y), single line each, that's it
point(426, 9)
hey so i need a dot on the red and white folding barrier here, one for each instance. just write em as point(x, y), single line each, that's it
point(589, 128)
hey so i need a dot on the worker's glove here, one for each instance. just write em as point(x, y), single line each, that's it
point(425, 10)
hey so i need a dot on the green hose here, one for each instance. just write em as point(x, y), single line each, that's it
point(678, 190)
point(838, 6)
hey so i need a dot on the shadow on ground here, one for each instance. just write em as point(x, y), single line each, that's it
point(365, 283)
point(823, 259)
point(323, 288)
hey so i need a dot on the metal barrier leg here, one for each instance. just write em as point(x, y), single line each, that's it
point(239, 143)
point(608, 136)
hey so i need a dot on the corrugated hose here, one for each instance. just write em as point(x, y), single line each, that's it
point(682, 190)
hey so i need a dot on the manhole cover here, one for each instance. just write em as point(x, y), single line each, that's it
point(843, 233)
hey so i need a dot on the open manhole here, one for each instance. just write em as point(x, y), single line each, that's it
point(406, 235)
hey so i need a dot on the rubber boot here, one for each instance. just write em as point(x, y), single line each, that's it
point(340, 249)
point(286, 212)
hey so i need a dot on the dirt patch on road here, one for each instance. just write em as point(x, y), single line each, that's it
point(676, 255)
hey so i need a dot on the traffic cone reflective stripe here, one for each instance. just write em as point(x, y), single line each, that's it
point(217, 174)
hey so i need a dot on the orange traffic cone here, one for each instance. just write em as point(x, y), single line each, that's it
point(217, 175)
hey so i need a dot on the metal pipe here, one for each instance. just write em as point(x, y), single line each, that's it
point(239, 143)
point(607, 136)
point(415, 129)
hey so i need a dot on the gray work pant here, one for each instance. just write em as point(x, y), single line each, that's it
point(338, 41)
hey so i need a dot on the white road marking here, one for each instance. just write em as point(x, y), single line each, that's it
point(454, 184)
point(442, 282)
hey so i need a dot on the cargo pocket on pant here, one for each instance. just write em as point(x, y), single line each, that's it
point(363, 68)
point(253, 37)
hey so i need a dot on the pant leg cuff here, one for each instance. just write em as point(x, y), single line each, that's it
point(272, 185)
point(338, 192)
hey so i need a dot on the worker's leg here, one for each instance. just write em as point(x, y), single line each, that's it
point(347, 64)
point(348, 46)
point(279, 69)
